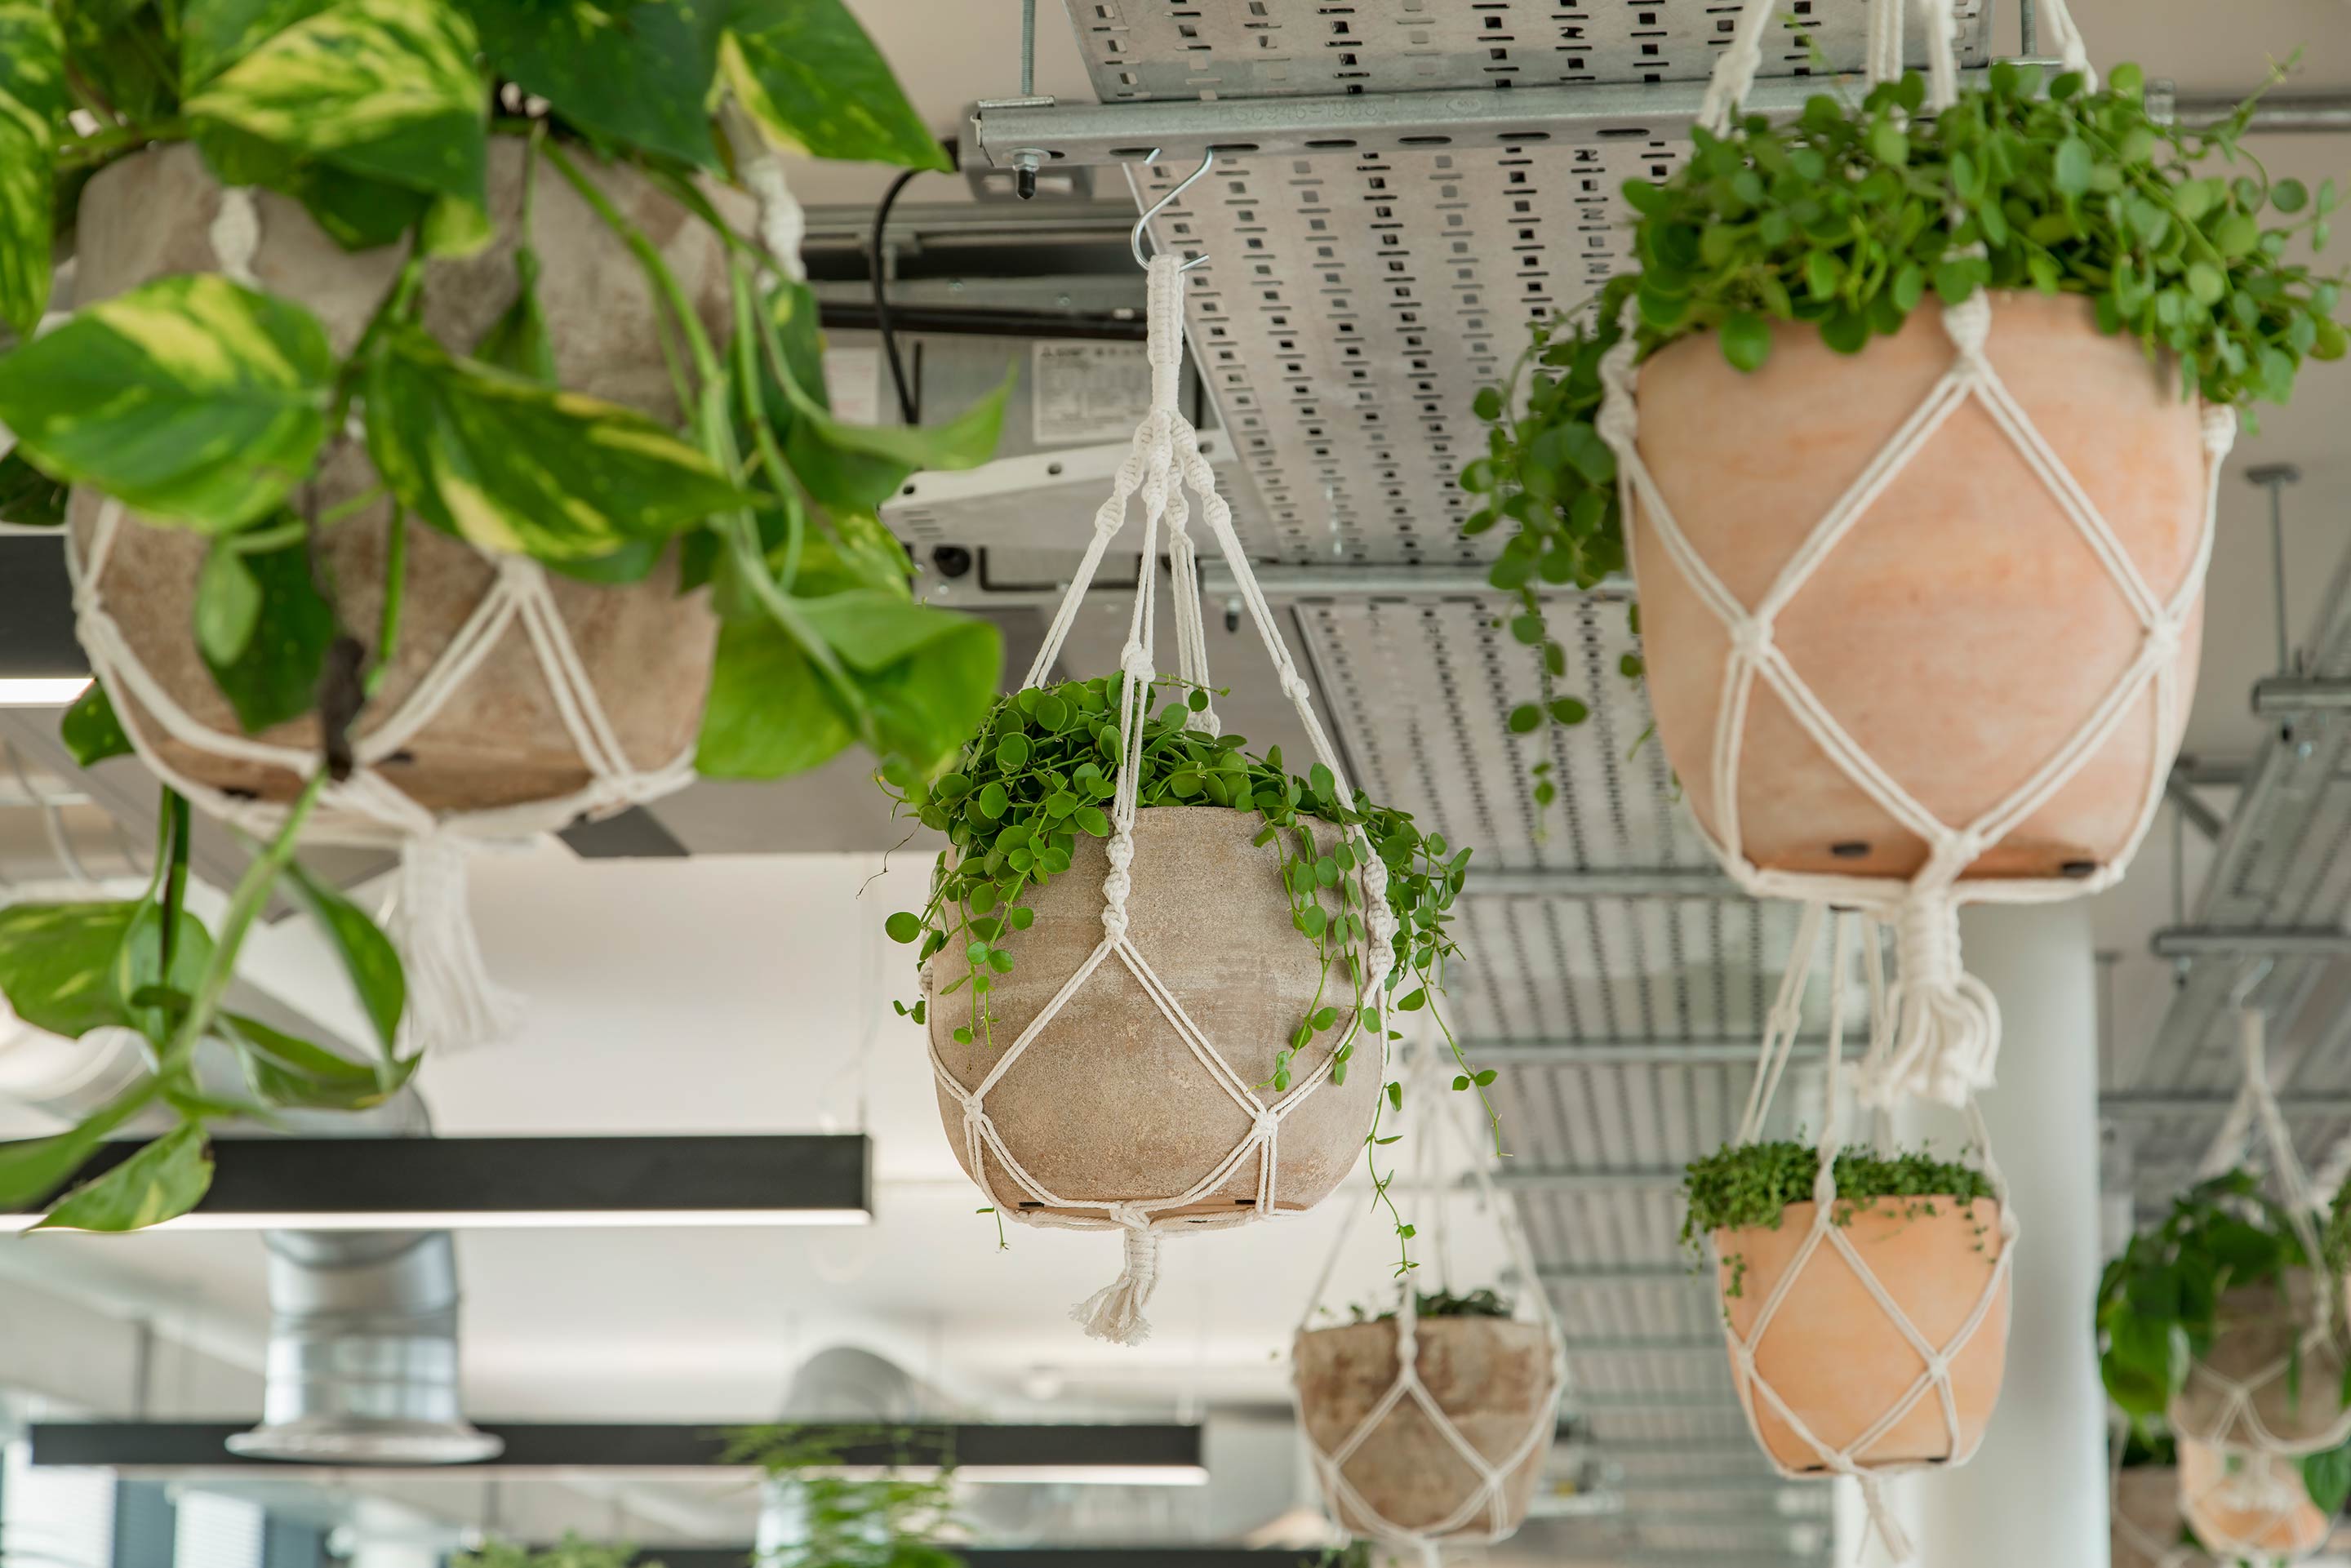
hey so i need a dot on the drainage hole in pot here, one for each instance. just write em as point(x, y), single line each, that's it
point(404, 757)
point(1851, 850)
point(2077, 868)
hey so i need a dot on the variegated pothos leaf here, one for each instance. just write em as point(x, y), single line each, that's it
point(809, 75)
point(382, 88)
point(192, 399)
point(517, 467)
point(33, 105)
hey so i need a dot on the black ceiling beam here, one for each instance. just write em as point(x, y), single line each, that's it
point(552, 1445)
point(37, 631)
point(359, 1183)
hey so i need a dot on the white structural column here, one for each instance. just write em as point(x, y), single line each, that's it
point(2037, 1490)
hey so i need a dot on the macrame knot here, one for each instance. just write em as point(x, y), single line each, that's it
point(1970, 324)
point(1750, 639)
point(2220, 429)
point(1620, 414)
point(1294, 686)
point(1946, 1023)
point(1117, 884)
point(2163, 640)
point(1115, 1312)
point(1264, 1124)
point(782, 224)
point(1134, 662)
point(452, 1000)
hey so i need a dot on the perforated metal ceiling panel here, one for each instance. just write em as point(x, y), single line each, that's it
point(1266, 48)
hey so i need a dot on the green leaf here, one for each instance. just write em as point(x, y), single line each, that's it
point(217, 34)
point(91, 730)
point(286, 1071)
point(192, 399)
point(768, 715)
point(161, 1181)
point(1746, 339)
point(903, 926)
point(136, 970)
point(2072, 167)
point(56, 963)
point(517, 468)
point(32, 1169)
point(2288, 195)
point(228, 603)
point(275, 676)
point(33, 103)
point(382, 88)
point(814, 81)
point(2328, 1478)
point(368, 959)
point(517, 341)
point(636, 75)
point(28, 497)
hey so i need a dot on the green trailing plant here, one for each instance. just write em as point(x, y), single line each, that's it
point(892, 1519)
point(1750, 1186)
point(574, 1551)
point(2159, 1304)
point(1482, 1303)
point(1037, 773)
point(1853, 214)
point(209, 406)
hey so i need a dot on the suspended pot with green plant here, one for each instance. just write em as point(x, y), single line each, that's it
point(441, 441)
point(850, 1497)
point(1908, 421)
point(1160, 969)
point(2219, 1322)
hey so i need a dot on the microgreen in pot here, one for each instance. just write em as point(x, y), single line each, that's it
point(1750, 1186)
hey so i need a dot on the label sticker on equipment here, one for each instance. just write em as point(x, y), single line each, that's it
point(853, 384)
point(1088, 392)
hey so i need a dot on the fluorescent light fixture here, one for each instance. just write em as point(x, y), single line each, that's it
point(515, 1184)
point(41, 691)
point(1077, 1454)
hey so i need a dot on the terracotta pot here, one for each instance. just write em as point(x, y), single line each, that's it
point(1963, 631)
point(1108, 1103)
point(1834, 1356)
point(499, 740)
point(1492, 1378)
point(2240, 1504)
point(2147, 1522)
point(2259, 1326)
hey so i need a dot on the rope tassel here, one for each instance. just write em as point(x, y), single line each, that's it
point(1115, 1312)
point(1946, 1021)
point(453, 1003)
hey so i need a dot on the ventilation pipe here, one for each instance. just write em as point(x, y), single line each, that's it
point(362, 1364)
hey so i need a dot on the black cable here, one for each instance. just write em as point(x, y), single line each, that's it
point(906, 410)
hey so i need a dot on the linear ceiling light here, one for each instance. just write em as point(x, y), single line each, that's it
point(41, 691)
point(1079, 1454)
point(461, 1183)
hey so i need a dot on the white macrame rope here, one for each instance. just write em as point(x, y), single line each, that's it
point(1163, 461)
point(1945, 1038)
point(2266, 1490)
point(2239, 1424)
point(2164, 1550)
point(1482, 1516)
point(1933, 1380)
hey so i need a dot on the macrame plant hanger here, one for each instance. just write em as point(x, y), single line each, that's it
point(1825, 1235)
point(2155, 1550)
point(1482, 1517)
point(1947, 1022)
point(1164, 459)
point(452, 1000)
point(2240, 1427)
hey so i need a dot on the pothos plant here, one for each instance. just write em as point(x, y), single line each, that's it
point(206, 405)
point(1747, 1186)
point(2158, 1304)
point(895, 1517)
point(1038, 772)
point(1853, 214)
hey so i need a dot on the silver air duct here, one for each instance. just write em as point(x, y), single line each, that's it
point(362, 1365)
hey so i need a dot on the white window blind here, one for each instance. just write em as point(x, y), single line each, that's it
point(217, 1531)
point(52, 1517)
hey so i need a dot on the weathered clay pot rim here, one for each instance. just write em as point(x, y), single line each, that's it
point(1954, 1199)
point(2084, 308)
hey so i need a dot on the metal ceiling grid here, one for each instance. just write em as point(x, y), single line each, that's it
point(1138, 49)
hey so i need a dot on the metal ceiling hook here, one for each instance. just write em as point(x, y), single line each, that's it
point(1134, 238)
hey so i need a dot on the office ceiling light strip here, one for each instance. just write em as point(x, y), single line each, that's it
point(455, 1183)
point(1123, 1455)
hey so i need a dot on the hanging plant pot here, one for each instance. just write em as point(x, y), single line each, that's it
point(2147, 1520)
point(2268, 1382)
point(1834, 1359)
point(499, 737)
point(1492, 1382)
point(1963, 632)
point(1212, 919)
point(2244, 1504)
